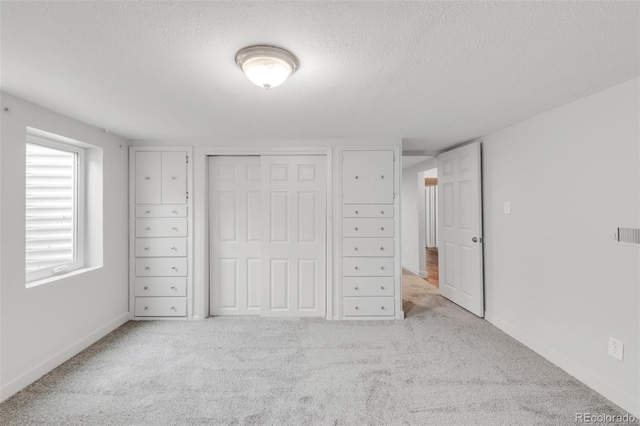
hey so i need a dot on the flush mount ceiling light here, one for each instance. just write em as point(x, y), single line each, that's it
point(266, 66)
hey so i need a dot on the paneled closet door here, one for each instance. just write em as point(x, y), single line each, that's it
point(148, 177)
point(294, 244)
point(235, 239)
point(174, 177)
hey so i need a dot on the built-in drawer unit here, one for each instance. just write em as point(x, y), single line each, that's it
point(367, 227)
point(374, 247)
point(161, 247)
point(367, 210)
point(368, 286)
point(166, 210)
point(161, 306)
point(161, 227)
point(161, 267)
point(367, 266)
point(368, 306)
point(161, 286)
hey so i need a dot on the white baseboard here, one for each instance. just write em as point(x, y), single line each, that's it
point(40, 370)
point(615, 395)
point(410, 270)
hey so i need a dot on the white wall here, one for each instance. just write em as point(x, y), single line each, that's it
point(45, 325)
point(411, 207)
point(554, 277)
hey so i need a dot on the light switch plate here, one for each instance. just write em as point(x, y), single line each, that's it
point(507, 207)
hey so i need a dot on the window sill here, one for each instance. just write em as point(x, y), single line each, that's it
point(53, 278)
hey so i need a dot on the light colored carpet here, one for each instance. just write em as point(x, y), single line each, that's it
point(440, 366)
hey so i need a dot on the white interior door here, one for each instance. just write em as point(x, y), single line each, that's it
point(460, 220)
point(294, 229)
point(235, 239)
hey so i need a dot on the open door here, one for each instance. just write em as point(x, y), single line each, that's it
point(460, 217)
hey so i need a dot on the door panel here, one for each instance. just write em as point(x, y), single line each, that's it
point(368, 177)
point(294, 247)
point(174, 177)
point(460, 236)
point(148, 177)
point(235, 239)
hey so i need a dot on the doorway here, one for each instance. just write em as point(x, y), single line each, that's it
point(430, 218)
point(267, 242)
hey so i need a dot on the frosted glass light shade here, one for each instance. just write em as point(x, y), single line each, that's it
point(266, 66)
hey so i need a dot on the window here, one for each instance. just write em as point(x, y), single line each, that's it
point(54, 196)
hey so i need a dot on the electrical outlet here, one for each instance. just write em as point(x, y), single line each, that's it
point(616, 348)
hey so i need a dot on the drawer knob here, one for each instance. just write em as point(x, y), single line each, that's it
point(173, 228)
point(147, 178)
point(382, 248)
point(382, 307)
point(174, 268)
point(357, 308)
point(147, 211)
point(381, 211)
point(146, 288)
point(356, 177)
point(173, 308)
point(146, 308)
point(356, 268)
point(173, 288)
point(382, 228)
point(147, 268)
point(356, 228)
point(381, 287)
point(355, 288)
point(356, 211)
point(355, 248)
point(148, 228)
point(147, 248)
point(381, 176)
point(174, 249)
point(174, 212)
point(382, 267)
point(173, 178)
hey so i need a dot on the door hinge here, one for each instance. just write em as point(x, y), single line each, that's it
point(187, 159)
point(187, 195)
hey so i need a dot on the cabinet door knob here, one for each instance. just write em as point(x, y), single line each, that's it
point(147, 211)
point(174, 212)
point(174, 249)
point(147, 248)
point(173, 178)
point(147, 268)
point(146, 288)
point(173, 228)
point(148, 228)
point(147, 178)
point(174, 268)
point(146, 308)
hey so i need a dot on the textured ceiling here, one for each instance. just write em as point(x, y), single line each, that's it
point(432, 73)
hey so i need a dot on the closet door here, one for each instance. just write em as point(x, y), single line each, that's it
point(235, 239)
point(147, 177)
point(294, 244)
point(174, 177)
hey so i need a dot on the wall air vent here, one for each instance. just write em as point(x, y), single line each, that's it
point(629, 235)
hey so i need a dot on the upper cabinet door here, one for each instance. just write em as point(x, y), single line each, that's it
point(174, 177)
point(148, 177)
point(367, 177)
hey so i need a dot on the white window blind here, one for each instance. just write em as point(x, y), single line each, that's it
point(52, 210)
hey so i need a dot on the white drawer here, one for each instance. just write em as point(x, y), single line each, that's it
point(376, 247)
point(368, 306)
point(367, 210)
point(161, 210)
point(161, 247)
point(368, 286)
point(368, 227)
point(161, 286)
point(161, 307)
point(367, 266)
point(161, 267)
point(161, 227)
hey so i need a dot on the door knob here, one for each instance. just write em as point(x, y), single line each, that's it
point(474, 239)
